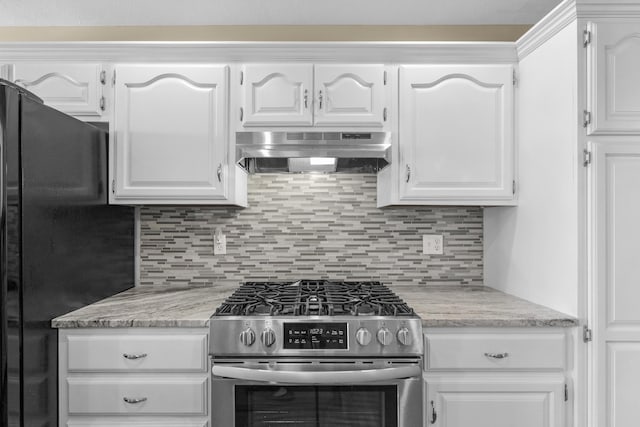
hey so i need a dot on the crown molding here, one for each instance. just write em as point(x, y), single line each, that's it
point(556, 20)
point(567, 12)
point(609, 10)
point(201, 52)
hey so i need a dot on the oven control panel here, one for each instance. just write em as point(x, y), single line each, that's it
point(315, 336)
point(361, 336)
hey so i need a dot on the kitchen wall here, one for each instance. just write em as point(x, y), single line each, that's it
point(310, 226)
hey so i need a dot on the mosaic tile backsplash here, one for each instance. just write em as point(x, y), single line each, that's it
point(310, 226)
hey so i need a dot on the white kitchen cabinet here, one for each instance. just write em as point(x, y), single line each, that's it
point(495, 400)
point(456, 139)
point(522, 351)
point(106, 353)
point(134, 377)
point(277, 95)
point(615, 366)
point(125, 394)
point(77, 89)
point(170, 136)
point(614, 75)
point(349, 95)
point(495, 377)
point(571, 244)
point(313, 95)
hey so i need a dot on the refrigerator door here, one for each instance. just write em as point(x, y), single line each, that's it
point(65, 247)
point(3, 270)
point(10, 255)
point(75, 248)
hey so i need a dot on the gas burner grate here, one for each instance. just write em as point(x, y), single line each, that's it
point(314, 298)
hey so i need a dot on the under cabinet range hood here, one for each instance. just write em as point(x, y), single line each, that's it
point(354, 152)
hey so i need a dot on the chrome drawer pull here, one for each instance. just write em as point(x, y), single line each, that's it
point(134, 356)
point(134, 400)
point(497, 355)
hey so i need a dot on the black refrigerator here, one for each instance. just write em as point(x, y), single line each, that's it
point(62, 246)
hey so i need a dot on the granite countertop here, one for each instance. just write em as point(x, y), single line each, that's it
point(477, 306)
point(150, 306)
point(438, 306)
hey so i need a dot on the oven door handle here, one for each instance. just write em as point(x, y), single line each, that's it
point(317, 377)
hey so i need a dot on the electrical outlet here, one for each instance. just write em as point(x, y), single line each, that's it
point(219, 243)
point(432, 244)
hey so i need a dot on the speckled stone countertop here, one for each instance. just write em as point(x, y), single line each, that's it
point(187, 307)
point(477, 306)
point(150, 306)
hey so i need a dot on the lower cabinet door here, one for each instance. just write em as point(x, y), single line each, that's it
point(462, 400)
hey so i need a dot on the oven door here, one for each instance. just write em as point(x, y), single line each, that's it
point(317, 394)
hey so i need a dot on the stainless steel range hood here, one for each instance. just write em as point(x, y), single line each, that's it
point(355, 152)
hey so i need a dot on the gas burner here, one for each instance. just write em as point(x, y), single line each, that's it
point(314, 298)
point(320, 318)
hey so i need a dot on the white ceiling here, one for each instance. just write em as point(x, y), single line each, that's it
point(271, 12)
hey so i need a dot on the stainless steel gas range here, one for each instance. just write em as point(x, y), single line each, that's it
point(316, 353)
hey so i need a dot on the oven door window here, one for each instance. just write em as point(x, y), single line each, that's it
point(316, 406)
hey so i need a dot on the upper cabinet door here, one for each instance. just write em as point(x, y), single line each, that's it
point(456, 134)
point(170, 134)
point(277, 95)
point(75, 89)
point(349, 95)
point(614, 67)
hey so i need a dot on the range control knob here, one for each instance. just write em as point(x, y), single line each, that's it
point(268, 337)
point(247, 337)
point(385, 336)
point(363, 336)
point(404, 336)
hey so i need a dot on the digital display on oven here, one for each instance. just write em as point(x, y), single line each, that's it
point(312, 336)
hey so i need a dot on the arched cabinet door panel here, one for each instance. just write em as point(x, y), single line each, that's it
point(456, 133)
point(277, 95)
point(349, 95)
point(614, 76)
point(312, 95)
point(75, 89)
point(170, 134)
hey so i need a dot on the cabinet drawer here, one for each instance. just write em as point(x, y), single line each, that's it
point(496, 351)
point(105, 422)
point(137, 353)
point(145, 396)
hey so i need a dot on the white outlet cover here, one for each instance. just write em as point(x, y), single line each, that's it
point(219, 244)
point(432, 244)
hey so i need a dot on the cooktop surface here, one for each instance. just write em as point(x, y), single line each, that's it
point(314, 298)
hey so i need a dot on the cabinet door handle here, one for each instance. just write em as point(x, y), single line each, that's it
point(434, 415)
point(320, 100)
point(134, 356)
point(219, 172)
point(306, 98)
point(408, 173)
point(497, 355)
point(134, 400)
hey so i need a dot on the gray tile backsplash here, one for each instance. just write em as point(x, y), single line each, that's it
point(310, 226)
